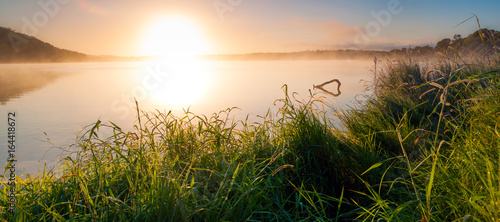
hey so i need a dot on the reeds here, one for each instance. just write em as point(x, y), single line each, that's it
point(440, 125)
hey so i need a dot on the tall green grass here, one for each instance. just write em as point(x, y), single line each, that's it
point(193, 168)
point(423, 147)
point(440, 126)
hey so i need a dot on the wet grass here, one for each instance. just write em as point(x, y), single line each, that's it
point(423, 147)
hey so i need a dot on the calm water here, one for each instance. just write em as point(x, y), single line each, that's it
point(53, 102)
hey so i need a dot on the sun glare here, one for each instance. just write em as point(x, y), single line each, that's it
point(176, 42)
point(183, 83)
point(174, 37)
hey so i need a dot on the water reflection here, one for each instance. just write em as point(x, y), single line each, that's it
point(177, 83)
point(320, 87)
point(14, 83)
point(57, 108)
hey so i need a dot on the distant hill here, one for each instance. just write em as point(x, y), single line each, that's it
point(19, 48)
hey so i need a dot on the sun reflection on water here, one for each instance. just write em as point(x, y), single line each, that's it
point(182, 83)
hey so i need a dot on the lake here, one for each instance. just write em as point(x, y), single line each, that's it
point(53, 102)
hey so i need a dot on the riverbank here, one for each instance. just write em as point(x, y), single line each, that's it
point(423, 147)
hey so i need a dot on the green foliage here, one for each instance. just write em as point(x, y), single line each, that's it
point(444, 121)
point(192, 168)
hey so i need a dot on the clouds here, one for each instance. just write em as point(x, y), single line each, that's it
point(92, 8)
point(315, 34)
point(330, 30)
point(335, 31)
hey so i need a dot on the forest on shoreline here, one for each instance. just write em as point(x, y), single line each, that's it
point(16, 47)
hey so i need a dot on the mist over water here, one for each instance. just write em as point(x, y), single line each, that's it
point(53, 102)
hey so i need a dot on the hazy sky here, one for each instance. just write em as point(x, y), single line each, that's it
point(121, 27)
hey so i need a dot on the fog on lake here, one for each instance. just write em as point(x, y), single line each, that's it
point(53, 102)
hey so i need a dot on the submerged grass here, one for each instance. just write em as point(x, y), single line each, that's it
point(424, 147)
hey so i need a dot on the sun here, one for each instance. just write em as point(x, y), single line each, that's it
point(174, 37)
point(175, 41)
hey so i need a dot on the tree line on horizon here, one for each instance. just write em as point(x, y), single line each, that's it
point(481, 42)
point(16, 47)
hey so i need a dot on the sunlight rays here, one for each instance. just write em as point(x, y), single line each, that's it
point(183, 83)
point(174, 37)
point(175, 42)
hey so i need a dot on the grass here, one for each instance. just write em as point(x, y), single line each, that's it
point(424, 147)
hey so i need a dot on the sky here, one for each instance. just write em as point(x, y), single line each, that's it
point(148, 27)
